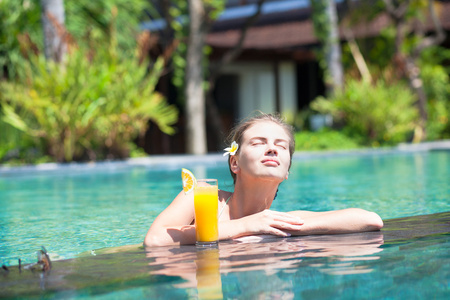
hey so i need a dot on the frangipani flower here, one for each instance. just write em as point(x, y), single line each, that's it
point(231, 150)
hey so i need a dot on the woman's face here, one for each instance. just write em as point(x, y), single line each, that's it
point(264, 152)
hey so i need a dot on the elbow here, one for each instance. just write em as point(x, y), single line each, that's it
point(152, 240)
point(369, 221)
point(374, 221)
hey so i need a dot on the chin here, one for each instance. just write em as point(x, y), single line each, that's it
point(272, 177)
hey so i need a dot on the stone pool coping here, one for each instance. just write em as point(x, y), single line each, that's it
point(211, 159)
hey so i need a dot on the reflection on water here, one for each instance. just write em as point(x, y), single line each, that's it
point(202, 268)
point(209, 283)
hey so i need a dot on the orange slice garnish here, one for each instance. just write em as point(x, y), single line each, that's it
point(189, 181)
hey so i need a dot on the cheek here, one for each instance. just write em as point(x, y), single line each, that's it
point(249, 158)
point(287, 160)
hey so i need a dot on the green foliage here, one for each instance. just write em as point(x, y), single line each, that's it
point(89, 21)
point(9, 139)
point(94, 105)
point(322, 28)
point(179, 12)
point(17, 148)
point(437, 87)
point(378, 113)
point(324, 139)
point(379, 53)
point(87, 108)
point(320, 19)
point(381, 49)
point(17, 17)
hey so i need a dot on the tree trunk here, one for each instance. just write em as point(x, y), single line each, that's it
point(195, 97)
point(327, 32)
point(416, 85)
point(52, 17)
point(333, 55)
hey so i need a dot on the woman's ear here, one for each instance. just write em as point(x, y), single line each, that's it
point(234, 165)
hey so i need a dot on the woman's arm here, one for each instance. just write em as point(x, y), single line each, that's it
point(173, 225)
point(338, 221)
point(302, 223)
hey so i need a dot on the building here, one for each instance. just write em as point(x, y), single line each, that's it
point(277, 69)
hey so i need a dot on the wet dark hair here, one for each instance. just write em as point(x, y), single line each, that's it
point(238, 131)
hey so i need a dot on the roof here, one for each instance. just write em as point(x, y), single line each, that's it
point(283, 25)
point(290, 27)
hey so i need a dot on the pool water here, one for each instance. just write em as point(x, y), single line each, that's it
point(77, 208)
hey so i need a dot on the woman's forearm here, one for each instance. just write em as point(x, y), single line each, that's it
point(185, 235)
point(275, 223)
point(176, 235)
point(339, 221)
point(232, 229)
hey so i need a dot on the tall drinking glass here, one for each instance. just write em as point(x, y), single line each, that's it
point(206, 195)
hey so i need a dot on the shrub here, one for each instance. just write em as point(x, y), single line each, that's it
point(437, 87)
point(88, 107)
point(379, 113)
point(324, 139)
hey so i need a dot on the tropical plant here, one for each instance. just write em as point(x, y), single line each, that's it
point(89, 22)
point(436, 83)
point(16, 17)
point(93, 19)
point(378, 113)
point(90, 107)
point(325, 139)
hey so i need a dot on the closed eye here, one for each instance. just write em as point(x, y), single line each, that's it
point(256, 142)
point(282, 145)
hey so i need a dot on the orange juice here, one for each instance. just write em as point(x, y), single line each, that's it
point(206, 210)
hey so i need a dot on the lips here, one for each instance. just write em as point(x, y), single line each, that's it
point(271, 161)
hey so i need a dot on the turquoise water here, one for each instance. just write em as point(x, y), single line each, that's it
point(70, 210)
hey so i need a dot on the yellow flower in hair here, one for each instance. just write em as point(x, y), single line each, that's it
point(231, 150)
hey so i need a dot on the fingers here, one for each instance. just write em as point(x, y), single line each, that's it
point(272, 222)
point(286, 226)
point(278, 232)
point(285, 217)
point(282, 223)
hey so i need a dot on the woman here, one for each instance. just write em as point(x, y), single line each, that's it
point(258, 166)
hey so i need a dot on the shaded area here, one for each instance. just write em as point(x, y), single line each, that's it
point(409, 257)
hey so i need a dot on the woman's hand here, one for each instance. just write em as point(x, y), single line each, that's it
point(348, 220)
point(271, 222)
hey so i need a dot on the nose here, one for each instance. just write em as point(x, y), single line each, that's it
point(271, 150)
